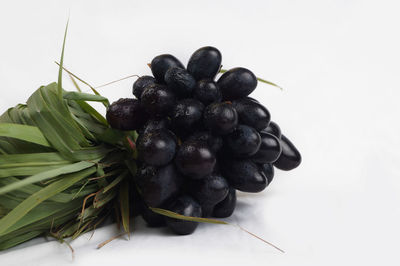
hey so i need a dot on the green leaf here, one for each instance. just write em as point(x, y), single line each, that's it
point(80, 96)
point(23, 132)
point(124, 204)
point(186, 218)
point(259, 79)
point(59, 87)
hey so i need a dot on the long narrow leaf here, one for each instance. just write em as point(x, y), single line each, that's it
point(23, 132)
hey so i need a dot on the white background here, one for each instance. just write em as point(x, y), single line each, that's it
point(338, 62)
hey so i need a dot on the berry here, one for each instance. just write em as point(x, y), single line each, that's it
point(226, 207)
point(207, 92)
point(126, 114)
point(220, 118)
point(210, 190)
point(237, 83)
point(269, 151)
point(180, 81)
point(155, 124)
point(186, 206)
point(273, 129)
point(214, 142)
point(195, 159)
point(290, 157)
point(205, 63)
point(252, 114)
point(158, 100)
point(160, 65)
point(268, 170)
point(152, 219)
point(157, 147)
point(142, 83)
point(187, 115)
point(243, 142)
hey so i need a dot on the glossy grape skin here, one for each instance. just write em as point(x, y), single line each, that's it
point(220, 118)
point(187, 206)
point(195, 159)
point(268, 170)
point(157, 100)
point(237, 83)
point(243, 142)
point(157, 147)
point(226, 207)
point(180, 81)
point(270, 149)
point(207, 92)
point(252, 114)
point(153, 219)
point(205, 63)
point(126, 114)
point(160, 65)
point(155, 124)
point(244, 175)
point(210, 190)
point(290, 157)
point(273, 129)
point(214, 142)
point(187, 115)
point(158, 184)
point(140, 84)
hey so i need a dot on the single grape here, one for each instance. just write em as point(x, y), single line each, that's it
point(153, 219)
point(290, 157)
point(195, 159)
point(157, 185)
point(158, 100)
point(126, 114)
point(273, 129)
point(187, 206)
point(205, 63)
point(243, 142)
point(207, 92)
point(220, 118)
point(237, 83)
point(157, 147)
point(155, 124)
point(214, 142)
point(186, 115)
point(180, 81)
point(209, 190)
point(244, 175)
point(226, 207)
point(140, 84)
point(252, 114)
point(269, 151)
point(160, 65)
point(268, 170)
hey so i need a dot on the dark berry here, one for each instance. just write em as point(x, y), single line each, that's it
point(252, 114)
point(268, 170)
point(273, 129)
point(237, 83)
point(153, 219)
point(210, 190)
point(205, 63)
point(214, 142)
point(290, 157)
point(269, 151)
point(160, 65)
point(187, 115)
point(226, 207)
point(180, 81)
point(220, 118)
point(187, 206)
point(195, 159)
point(244, 141)
point(157, 147)
point(155, 124)
point(126, 114)
point(207, 92)
point(158, 100)
point(140, 84)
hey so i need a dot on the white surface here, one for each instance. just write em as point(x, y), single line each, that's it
point(338, 62)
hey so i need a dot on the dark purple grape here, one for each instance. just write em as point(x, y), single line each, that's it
point(290, 157)
point(195, 159)
point(157, 147)
point(243, 142)
point(140, 84)
point(269, 151)
point(244, 175)
point(187, 206)
point(214, 142)
point(126, 114)
point(252, 114)
point(158, 100)
point(180, 82)
point(273, 129)
point(158, 184)
point(160, 65)
point(237, 83)
point(268, 170)
point(187, 115)
point(205, 63)
point(207, 92)
point(220, 118)
point(153, 219)
point(209, 190)
point(155, 124)
point(226, 207)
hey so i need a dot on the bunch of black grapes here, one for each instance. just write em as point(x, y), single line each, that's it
point(199, 140)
